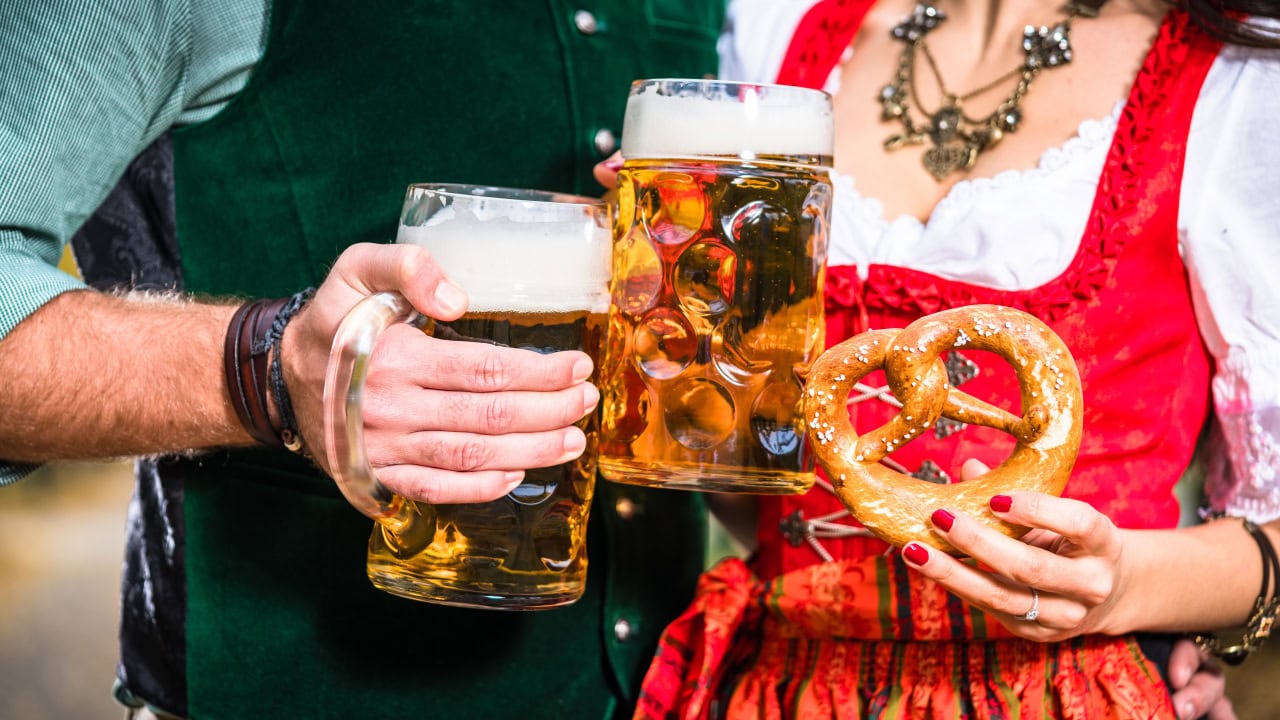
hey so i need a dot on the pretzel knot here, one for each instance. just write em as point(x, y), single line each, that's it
point(896, 507)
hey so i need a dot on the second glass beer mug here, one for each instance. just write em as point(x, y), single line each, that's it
point(719, 255)
point(535, 266)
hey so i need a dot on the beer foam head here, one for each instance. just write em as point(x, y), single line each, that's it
point(680, 118)
point(510, 265)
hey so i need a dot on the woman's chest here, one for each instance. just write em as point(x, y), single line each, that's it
point(1017, 230)
point(915, 119)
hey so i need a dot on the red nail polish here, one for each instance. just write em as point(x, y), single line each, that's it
point(915, 554)
point(942, 519)
point(1001, 503)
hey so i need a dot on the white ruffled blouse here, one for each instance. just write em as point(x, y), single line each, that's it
point(1228, 223)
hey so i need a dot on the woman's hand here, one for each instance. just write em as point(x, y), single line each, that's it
point(1060, 580)
point(606, 171)
point(1074, 558)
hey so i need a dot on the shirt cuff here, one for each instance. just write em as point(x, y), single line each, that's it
point(26, 283)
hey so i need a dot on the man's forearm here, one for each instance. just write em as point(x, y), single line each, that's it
point(92, 375)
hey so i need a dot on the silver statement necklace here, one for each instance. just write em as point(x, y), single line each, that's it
point(957, 138)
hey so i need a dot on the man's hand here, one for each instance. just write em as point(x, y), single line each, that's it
point(444, 421)
point(1199, 688)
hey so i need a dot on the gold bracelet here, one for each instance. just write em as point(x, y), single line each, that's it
point(1258, 629)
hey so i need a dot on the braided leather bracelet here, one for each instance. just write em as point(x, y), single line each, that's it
point(1258, 628)
point(251, 364)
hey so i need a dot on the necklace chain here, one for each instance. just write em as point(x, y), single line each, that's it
point(933, 66)
point(958, 138)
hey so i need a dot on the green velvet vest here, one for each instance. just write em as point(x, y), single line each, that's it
point(351, 103)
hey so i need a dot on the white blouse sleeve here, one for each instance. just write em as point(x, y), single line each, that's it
point(1229, 228)
point(757, 35)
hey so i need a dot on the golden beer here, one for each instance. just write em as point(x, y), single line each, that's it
point(719, 256)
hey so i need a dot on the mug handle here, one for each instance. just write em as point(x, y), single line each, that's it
point(344, 384)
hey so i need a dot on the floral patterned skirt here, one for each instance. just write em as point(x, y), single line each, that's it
point(844, 640)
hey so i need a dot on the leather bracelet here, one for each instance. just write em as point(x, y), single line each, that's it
point(250, 359)
point(245, 367)
point(1265, 607)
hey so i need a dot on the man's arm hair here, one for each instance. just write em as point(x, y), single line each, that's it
point(91, 375)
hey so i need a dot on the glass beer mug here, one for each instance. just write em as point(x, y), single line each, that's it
point(719, 255)
point(535, 266)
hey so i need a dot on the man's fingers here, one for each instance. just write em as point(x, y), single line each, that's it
point(1202, 692)
point(1197, 681)
point(407, 356)
point(439, 467)
point(485, 368)
point(1184, 660)
point(469, 452)
point(370, 268)
point(484, 413)
point(1223, 710)
point(438, 487)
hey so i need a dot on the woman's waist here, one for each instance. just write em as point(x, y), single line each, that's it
point(872, 598)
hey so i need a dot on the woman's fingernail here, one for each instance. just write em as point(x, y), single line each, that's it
point(1188, 712)
point(513, 476)
point(915, 554)
point(451, 298)
point(942, 519)
point(1001, 503)
point(613, 163)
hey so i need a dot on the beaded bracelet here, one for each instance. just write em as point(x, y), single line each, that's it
point(1258, 628)
point(289, 424)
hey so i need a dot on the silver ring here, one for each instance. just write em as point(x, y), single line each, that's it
point(1034, 612)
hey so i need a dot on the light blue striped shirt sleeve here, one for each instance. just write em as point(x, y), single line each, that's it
point(85, 85)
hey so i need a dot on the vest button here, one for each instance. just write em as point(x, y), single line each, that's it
point(605, 141)
point(622, 630)
point(586, 22)
point(625, 508)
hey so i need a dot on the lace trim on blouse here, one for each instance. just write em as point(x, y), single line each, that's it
point(1082, 154)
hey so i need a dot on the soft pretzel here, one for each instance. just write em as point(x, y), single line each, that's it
point(896, 507)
